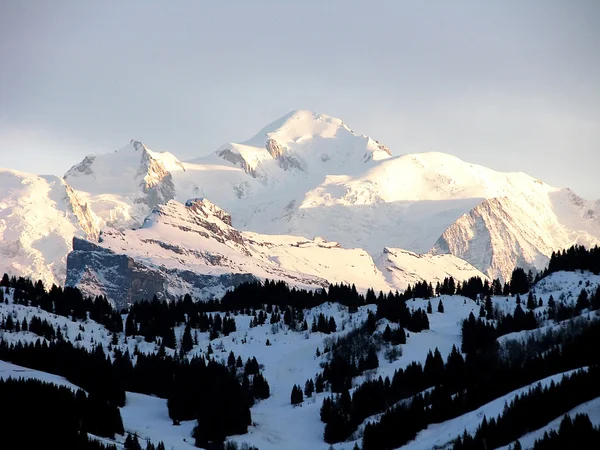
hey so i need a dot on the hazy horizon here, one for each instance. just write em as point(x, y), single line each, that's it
point(514, 86)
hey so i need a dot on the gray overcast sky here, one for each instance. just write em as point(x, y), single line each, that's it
point(513, 85)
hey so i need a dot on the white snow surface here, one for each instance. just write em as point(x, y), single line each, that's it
point(8, 370)
point(39, 215)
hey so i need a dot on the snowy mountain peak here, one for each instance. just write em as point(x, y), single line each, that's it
point(207, 208)
point(123, 186)
point(137, 145)
point(302, 142)
point(39, 215)
point(300, 124)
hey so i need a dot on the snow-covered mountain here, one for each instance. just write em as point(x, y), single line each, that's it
point(122, 187)
point(193, 248)
point(309, 175)
point(39, 215)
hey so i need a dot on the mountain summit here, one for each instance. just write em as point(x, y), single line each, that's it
point(301, 142)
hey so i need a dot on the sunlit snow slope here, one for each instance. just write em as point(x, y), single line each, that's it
point(39, 215)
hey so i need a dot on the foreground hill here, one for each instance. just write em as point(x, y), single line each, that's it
point(289, 356)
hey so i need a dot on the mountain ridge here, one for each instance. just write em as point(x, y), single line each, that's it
point(193, 248)
point(310, 175)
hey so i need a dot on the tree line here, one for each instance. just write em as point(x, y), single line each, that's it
point(572, 433)
point(65, 416)
point(532, 410)
point(188, 384)
point(474, 381)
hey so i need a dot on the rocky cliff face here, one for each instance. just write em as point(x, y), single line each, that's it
point(193, 249)
point(123, 279)
point(123, 187)
point(500, 234)
point(179, 249)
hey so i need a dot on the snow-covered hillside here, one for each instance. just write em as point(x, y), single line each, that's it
point(309, 175)
point(290, 359)
point(193, 248)
point(39, 215)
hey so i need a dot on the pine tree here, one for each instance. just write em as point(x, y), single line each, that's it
point(440, 307)
point(489, 306)
point(531, 303)
point(169, 339)
point(309, 388)
point(387, 333)
point(332, 325)
point(9, 324)
point(132, 442)
point(130, 326)
point(583, 301)
point(519, 281)
point(296, 397)
point(187, 342)
point(429, 308)
point(231, 360)
point(319, 384)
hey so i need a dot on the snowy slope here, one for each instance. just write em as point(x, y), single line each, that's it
point(402, 267)
point(122, 187)
point(591, 408)
point(309, 175)
point(39, 215)
point(290, 359)
point(8, 370)
point(440, 435)
point(193, 248)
